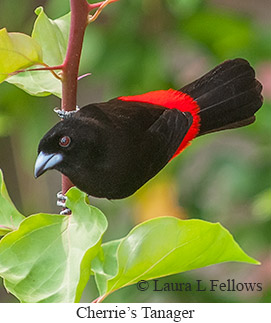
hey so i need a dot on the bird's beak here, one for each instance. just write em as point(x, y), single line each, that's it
point(45, 162)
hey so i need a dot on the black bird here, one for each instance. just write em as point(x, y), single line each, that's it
point(111, 149)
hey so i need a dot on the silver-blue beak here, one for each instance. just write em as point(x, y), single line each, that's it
point(46, 161)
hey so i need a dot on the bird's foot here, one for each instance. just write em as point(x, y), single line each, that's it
point(65, 114)
point(61, 201)
point(65, 211)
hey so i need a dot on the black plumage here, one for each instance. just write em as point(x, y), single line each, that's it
point(111, 149)
point(228, 96)
point(112, 152)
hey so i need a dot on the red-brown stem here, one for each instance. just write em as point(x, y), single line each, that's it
point(45, 68)
point(79, 20)
point(100, 298)
point(92, 6)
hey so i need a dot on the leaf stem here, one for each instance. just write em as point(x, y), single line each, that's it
point(101, 6)
point(92, 6)
point(45, 68)
point(100, 298)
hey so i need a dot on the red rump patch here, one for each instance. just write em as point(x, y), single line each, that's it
point(172, 99)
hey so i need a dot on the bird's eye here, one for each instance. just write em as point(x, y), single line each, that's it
point(64, 141)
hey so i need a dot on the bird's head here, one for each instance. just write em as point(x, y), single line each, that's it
point(64, 146)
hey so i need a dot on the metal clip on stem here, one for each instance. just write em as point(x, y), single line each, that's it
point(65, 114)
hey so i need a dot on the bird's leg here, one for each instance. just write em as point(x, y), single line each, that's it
point(61, 201)
point(65, 114)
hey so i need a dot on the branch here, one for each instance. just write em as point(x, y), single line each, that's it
point(79, 20)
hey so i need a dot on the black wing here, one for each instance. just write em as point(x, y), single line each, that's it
point(164, 138)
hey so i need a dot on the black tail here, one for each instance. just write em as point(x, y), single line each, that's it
point(228, 96)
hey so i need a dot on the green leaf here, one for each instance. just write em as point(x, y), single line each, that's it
point(38, 83)
point(48, 258)
point(52, 36)
point(17, 51)
point(164, 246)
point(105, 265)
point(10, 218)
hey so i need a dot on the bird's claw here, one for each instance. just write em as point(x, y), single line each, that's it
point(65, 114)
point(61, 201)
point(66, 211)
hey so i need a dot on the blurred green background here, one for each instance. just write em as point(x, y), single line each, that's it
point(142, 45)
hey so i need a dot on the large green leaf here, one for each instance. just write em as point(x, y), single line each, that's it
point(38, 83)
point(48, 258)
point(164, 246)
point(17, 51)
point(52, 36)
point(10, 218)
point(105, 265)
